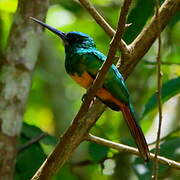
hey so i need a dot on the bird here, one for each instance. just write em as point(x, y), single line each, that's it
point(82, 62)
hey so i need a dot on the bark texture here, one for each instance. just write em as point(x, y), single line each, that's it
point(15, 78)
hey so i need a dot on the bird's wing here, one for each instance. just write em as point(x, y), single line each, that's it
point(113, 82)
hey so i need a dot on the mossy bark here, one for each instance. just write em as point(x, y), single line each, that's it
point(15, 78)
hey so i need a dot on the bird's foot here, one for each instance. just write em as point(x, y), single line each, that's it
point(83, 97)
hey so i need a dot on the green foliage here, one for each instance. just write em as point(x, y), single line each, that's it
point(30, 158)
point(65, 173)
point(170, 149)
point(30, 131)
point(138, 17)
point(169, 89)
point(29, 161)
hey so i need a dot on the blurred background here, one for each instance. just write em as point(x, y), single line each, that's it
point(55, 99)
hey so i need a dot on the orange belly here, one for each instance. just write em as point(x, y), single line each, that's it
point(85, 80)
point(107, 96)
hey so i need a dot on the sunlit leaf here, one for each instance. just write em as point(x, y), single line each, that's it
point(54, 15)
point(169, 89)
point(8, 5)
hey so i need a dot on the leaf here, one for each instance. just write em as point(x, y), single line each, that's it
point(169, 149)
point(169, 89)
point(138, 17)
point(49, 140)
point(98, 152)
point(30, 131)
point(29, 160)
point(65, 174)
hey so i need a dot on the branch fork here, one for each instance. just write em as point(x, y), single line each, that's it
point(131, 55)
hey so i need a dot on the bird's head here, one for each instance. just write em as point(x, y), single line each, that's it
point(70, 39)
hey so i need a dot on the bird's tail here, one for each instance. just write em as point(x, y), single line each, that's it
point(129, 115)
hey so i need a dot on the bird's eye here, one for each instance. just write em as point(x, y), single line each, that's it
point(72, 38)
point(75, 39)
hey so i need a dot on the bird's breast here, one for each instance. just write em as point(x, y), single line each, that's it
point(84, 80)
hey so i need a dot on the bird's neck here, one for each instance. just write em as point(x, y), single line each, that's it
point(73, 54)
point(78, 47)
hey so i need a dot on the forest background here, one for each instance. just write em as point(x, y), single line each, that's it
point(54, 99)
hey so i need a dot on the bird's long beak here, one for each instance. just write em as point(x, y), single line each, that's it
point(61, 34)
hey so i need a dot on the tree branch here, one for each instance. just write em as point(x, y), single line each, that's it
point(64, 147)
point(78, 130)
point(69, 142)
point(159, 74)
point(103, 24)
point(162, 63)
point(132, 54)
point(131, 150)
point(106, 65)
point(148, 35)
point(97, 17)
point(31, 142)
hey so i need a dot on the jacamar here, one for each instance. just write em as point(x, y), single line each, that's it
point(82, 63)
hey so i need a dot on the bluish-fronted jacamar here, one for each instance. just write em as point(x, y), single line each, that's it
point(82, 63)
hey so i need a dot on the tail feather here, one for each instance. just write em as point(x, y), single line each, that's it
point(136, 131)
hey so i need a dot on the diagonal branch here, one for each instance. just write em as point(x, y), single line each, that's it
point(132, 150)
point(106, 65)
point(31, 142)
point(148, 35)
point(132, 54)
point(97, 17)
point(159, 83)
point(77, 131)
point(102, 22)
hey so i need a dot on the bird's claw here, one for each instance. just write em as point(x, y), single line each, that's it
point(83, 97)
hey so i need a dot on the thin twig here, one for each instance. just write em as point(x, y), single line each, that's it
point(103, 24)
point(131, 150)
point(133, 53)
point(97, 17)
point(63, 149)
point(31, 142)
point(106, 65)
point(162, 63)
point(159, 74)
point(77, 130)
point(148, 35)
